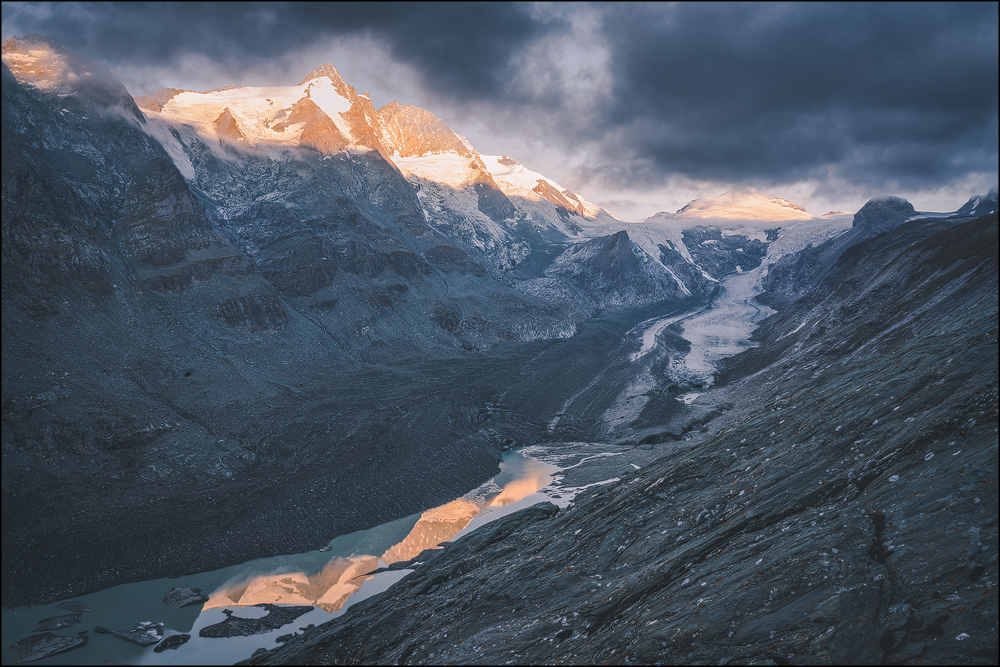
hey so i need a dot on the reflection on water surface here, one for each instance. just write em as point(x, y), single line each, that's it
point(341, 577)
point(518, 489)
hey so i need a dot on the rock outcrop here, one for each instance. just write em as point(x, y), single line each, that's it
point(172, 643)
point(58, 622)
point(883, 214)
point(981, 204)
point(613, 272)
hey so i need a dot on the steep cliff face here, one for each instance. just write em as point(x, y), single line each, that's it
point(612, 271)
point(843, 511)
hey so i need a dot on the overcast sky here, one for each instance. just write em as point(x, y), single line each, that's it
point(639, 107)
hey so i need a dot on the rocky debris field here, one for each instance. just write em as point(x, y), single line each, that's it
point(843, 513)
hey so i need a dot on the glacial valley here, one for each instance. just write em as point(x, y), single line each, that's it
point(240, 325)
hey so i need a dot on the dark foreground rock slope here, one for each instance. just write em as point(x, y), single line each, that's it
point(849, 518)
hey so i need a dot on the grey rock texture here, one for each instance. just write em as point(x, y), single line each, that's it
point(45, 645)
point(934, 268)
point(796, 275)
point(612, 272)
point(844, 511)
point(721, 254)
point(979, 205)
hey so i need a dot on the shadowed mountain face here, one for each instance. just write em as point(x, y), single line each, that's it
point(843, 511)
point(611, 270)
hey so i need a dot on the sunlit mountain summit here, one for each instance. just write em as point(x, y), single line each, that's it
point(325, 114)
point(739, 204)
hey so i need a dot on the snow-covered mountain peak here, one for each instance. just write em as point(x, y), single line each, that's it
point(324, 113)
point(516, 180)
point(328, 71)
point(316, 113)
point(325, 70)
point(741, 204)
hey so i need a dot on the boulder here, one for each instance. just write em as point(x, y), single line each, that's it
point(144, 633)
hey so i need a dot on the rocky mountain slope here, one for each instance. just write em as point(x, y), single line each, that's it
point(843, 511)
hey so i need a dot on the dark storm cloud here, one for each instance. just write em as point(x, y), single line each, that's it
point(900, 92)
point(896, 94)
point(464, 49)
